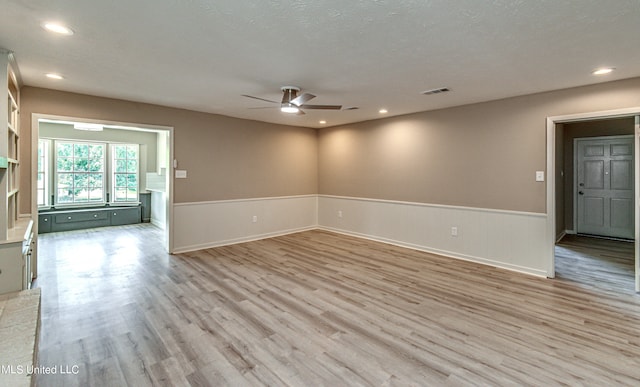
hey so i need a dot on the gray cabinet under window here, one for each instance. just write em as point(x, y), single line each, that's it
point(78, 219)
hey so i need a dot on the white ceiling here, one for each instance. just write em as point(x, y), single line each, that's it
point(204, 54)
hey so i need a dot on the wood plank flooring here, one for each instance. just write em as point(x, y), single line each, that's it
point(605, 264)
point(318, 308)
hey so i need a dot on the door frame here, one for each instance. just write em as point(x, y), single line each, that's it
point(35, 136)
point(575, 169)
point(551, 177)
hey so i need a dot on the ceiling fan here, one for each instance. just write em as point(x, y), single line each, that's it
point(293, 103)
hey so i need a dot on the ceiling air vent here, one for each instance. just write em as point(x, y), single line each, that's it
point(436, 91)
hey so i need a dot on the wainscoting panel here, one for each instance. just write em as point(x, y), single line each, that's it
point(208, 224)
point(508, 239)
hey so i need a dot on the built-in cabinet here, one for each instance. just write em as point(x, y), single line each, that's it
point(80, 219)
point(16, 236)
point(15, 258)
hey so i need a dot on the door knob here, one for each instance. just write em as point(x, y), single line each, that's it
point(580, 193)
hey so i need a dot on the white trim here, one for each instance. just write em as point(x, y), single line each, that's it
point(35, 135)
point(233, 241)
point(118, 124)
point(551, 174)
point(445, 253)
point(500, 238)
point(169, 214)
point(636, 247)
point(157, 223)
point(590, 116)
point(513, 241)
point(562, 235)
point(209, 224)
point(418, 204)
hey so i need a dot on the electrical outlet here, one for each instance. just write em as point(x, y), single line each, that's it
point(454, 231)
point(255, 219)
point(339, 214)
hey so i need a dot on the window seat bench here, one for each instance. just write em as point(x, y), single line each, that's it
point(82, 218)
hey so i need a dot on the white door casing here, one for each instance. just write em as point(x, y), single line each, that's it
point(550, 229)
point(605, 186)
point(637, 204)
point(36, 117)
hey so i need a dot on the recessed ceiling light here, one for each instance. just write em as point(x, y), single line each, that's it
point(54, 76)
point(383, 111)
point(322, 122)
point(603, 71)
point(57, 28)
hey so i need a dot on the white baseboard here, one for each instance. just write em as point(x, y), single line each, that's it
point(158, 223)
point(251, 238)
point(443, 253)
point(506, 239)
point(209, 224)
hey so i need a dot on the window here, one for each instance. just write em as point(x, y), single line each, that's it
point(43, 172)
point(74, 172)
point(79, 177)
point(125, 172)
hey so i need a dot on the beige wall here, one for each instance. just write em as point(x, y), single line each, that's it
point(483, 155)
point(597, 128)
point(226, 158)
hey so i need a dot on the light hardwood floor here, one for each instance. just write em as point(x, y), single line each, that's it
point(317, 308)
point(605, 264)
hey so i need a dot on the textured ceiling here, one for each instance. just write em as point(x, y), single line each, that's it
point(204, 54)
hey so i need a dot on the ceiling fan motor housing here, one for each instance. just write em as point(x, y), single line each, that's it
point(289, 93)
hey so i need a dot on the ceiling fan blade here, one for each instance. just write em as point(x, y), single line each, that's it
point(258, 98)
point(265, 107)
point(300, 112)
point(301, 99)
point(322, 107)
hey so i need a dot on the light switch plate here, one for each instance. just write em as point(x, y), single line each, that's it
point(539, 175)
point(181, 174)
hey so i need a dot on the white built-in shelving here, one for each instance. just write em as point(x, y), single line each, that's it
point(16, 233)
point(9, 150)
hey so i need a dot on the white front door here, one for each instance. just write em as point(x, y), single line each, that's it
point(605, 179)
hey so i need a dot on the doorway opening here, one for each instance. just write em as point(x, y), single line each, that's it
point(588, 155)
point(580, 144)
point(111, 173)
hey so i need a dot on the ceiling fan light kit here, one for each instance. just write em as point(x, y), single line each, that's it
point(289, 108)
